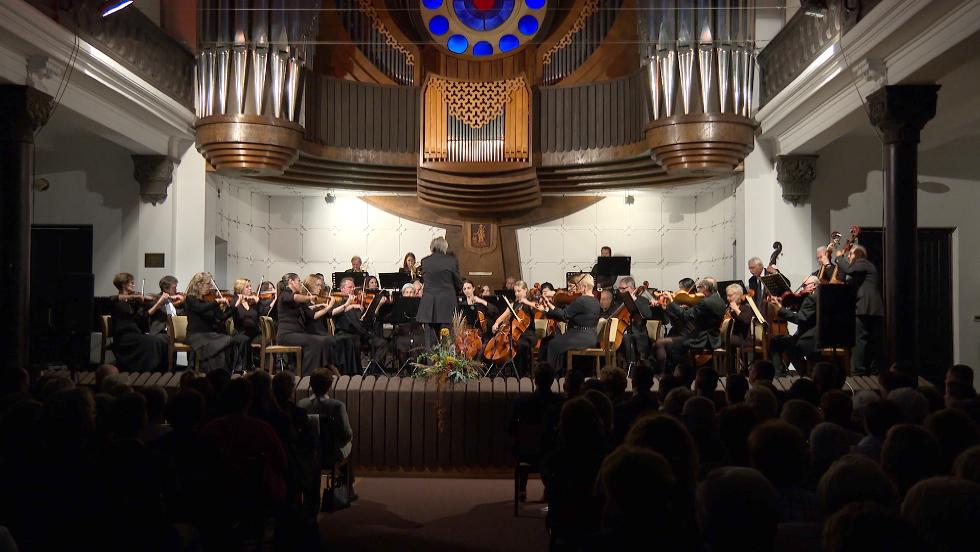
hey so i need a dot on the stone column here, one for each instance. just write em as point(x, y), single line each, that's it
point(23, 110)
point(900, 112)
point(795, 174)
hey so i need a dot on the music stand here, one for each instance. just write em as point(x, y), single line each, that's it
point(394, 280)
point(776, 284)
point(358, 278)
point(612, 266)
point(508, 293)
point(404, 311)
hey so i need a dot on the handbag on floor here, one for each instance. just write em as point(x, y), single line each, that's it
point(335, 498)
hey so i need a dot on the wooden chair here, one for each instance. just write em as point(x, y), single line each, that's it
point(840, 356)
point(106, 329)
point(177, 334)
point(268, 348)
point(721, 356)
point(605, 350)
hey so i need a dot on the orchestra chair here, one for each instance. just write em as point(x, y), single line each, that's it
point(606, 349)
point(721, 357)
point(758, 348)
point(841, 356)
point(527, 446)
point(106, 330)
point(176, 334)
point(268, 348)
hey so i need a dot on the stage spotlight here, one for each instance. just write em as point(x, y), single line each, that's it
point(814, 8)
point(113, 6)
point(329, 198)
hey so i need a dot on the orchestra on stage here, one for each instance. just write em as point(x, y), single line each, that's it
point(360, 323)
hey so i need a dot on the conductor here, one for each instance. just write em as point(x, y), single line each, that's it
point(441, 282)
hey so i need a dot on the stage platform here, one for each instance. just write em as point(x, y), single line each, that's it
point(397, 425)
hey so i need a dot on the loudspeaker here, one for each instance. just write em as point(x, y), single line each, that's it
point(835, 315)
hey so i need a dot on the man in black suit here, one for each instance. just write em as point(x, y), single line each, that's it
point(755, 280)
point(636, 342)
point(869, 311)
point(441, 283)
point(826, 268)
point(705, 323)
point(804, 342)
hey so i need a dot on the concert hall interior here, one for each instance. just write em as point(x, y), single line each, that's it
point(490, 274)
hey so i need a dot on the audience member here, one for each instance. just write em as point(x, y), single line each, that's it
point(706, 385)
point(763, 402)
point(101, 373)
point(665, 435)
point(967, 464)
point(736, 386)
point(955, 432)
point(828, 443)
point(909, 455)
point(945, 511)
point(761, 370)
point(827, 376)
point(699, 419)
point(604, 407)
point(914, 406)
point(737, 510)
point(674, 402)
point(331, 410)
point(856, 478)
point(864, 526)
point(802, 415)
point(805, 390)
point(527, 425)
point(879, 417)
point(614, 382)
point(778, 451)
point(837, 407)
point(156, 425)
point(643, 401)
point(735, 423)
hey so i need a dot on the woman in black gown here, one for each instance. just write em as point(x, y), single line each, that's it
point(525, 344)
point(134, 350)
point(207, 330)
point(344, 350)
point(246, 319)
point(292, 299)
point(581, 316)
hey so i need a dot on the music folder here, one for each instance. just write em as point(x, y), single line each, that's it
point(776, 284)
point(394, 280)
point(405, 309)
point(358, 278)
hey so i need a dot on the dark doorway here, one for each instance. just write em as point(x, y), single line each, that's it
point(62, 288)
point(935, 289)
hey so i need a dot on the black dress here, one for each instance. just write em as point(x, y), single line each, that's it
point(208, 336)
point(344, 351)
point(292, 331)
point(582, 316)
point(134, 350)
point(247, 329)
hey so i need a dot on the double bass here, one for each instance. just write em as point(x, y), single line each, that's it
point(855, 232)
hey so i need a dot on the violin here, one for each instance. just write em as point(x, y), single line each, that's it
point(563, 298)
point(215, 294)
point(681, 297)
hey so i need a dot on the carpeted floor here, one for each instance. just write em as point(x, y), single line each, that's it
point(433, 514)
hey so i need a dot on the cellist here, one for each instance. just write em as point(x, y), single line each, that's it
point(636, 342)
point(475, 308)
point(525, 343)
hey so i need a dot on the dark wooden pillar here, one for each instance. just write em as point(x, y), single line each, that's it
point(900, 112)
point(23, 110)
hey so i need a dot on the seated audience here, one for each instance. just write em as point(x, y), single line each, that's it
point(909, 455)
point(737, 510)
point(864, 526)
point(643, 401)
point(879, 417)
point(735, 423)
point(778, 451)
point(945, 511)
point(527, 422)
point(736, 386)
point(665, 435)
point(763, 402)
point(855, 478)
point(955, 432)
point(967, 464)
point(802, 415)
point(321, 379)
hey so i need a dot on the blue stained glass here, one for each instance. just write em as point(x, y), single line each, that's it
point(483, 20)
point(438, 25)
point(432, 4)
point(482, 48)
point(528, 25)
point(508, 42)
point(458, 44)
point(535, 4)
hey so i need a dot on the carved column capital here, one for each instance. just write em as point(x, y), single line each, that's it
point(24, 110)
point(154, 173)
point(901, 111)
point(795, 174)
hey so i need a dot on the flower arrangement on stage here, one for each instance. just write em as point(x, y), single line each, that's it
point(444, 362)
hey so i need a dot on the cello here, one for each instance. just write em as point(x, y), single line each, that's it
point(624, 317)
point(503, 345)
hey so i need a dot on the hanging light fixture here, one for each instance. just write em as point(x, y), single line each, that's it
point(111, 7)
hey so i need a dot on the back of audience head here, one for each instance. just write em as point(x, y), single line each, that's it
point(574, 380)
point(666, 435)
point(283, 387)
point(777, 449)
point(735, 424)
point(544, 377)
point(68, 419)
point(55, 385)
point(827, 376)
point(856, 478)
point(20, 430)
point(761, 370)
point(763, 402)
point(945, 511)
point(101, 373)
point(262, 390)
point(960, 373)
point(699, 415)
point(668, 382)
point(837, 408)
point(706, 382)
point(603, 407)
point(674, 402)
point(955, 432)
point(737, 510)
point(805, 390)
point(863, 526)
point(880, 416)
point(890, 381)
point(156, 403)
point(802, 415)
point(320, 382)
point(959, 391)
point(579, 425)
point(128, 415)
point(237, 398)
point(914, 406)
point(634, 480)
point(219, 378)
point(828, 442)
point(736, 386)
point(614, 381)
point(186, 410)
point(910, 454)
point(642, 377)
point(861, 401)
point(967, 464)
point(685, 373)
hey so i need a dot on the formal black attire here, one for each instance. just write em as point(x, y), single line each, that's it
point(208, 335)
point(247, 328)
point(828, 271)
point(525, 343)
point(701, 325)
point(801, 344)
point(160, 317)
point(440, 274)
point(343, 346)
point(317, 349)
point(582, 317)
point(756, 285)
point(869, 312)
point(636, 340)
point(134, 350)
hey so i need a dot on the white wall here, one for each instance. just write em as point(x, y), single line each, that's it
point(670, 234)
point(848, 191)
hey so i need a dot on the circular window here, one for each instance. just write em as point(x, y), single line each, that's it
point(483, 28)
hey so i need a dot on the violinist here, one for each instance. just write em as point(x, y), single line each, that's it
point(475, 309)
point(409, 265)
point(247, 315)
point(704, 320)
point(168, 303)
point(741, 314)
point(581, 316)
point(525, 343)
point(803, 343)
point(678, 326)
point(207, 333)
point(347, 314)
point(134, 350)
point(636, 341)
point(292, 299)
point(267, 299)
point(315, 317)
